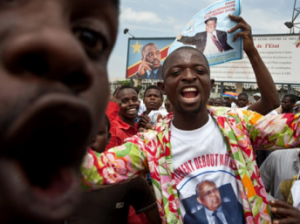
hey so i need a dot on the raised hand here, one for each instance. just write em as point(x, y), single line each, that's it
point(144, 66)
point(246, 33)
point(284, 212)
point(144, 122)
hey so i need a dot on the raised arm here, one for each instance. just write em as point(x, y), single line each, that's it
point(269, 95)
point(113, 109)
point(186, 40)
point(273, 132)
point(113, 166)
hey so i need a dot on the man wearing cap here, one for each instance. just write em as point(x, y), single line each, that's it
point(209, 42)
point(257, 96)
point(297, 107)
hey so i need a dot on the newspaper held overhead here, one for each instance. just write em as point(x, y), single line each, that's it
point(207, 32)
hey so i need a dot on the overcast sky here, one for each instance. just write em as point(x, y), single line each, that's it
point(166, 18)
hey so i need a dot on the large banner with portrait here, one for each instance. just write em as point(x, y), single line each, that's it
point(280, 54)
point(207, 32)
point(145, 57)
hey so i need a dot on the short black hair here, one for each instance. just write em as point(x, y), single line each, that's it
point(116, 3)
point(244, 94)
point(184, 48)
point(136, 89)
point(153, 87)
point(218, 99)
point(143, 49)
point(115, 91)
point(107, 122)
point(293, 98)
point(211, 18)
point(128, 87)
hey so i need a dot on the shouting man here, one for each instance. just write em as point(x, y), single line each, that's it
point(193, 144)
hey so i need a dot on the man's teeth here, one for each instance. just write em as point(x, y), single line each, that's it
point(190, 93)
point(189, 99)
point(132, 110)
point(189, 90)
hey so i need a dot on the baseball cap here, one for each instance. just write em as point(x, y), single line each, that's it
point(257, 94)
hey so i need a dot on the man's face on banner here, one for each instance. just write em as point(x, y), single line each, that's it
point(210, 26)
point(152, 55)
point(209, 196)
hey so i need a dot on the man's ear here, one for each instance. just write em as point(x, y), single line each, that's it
point(161, 86)
point(212, 82)
point(199, 200)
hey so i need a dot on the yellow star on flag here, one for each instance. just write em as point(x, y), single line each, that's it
point(136, 47)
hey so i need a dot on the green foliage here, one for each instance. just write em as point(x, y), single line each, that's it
point(124, 82)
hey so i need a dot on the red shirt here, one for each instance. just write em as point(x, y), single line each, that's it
point(119, 130)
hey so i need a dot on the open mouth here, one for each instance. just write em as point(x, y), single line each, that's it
point(190, 94)
point(43, 150)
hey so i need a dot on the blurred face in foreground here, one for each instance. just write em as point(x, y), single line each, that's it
point(53, 95)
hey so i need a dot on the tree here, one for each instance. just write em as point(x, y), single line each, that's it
point(124, 82)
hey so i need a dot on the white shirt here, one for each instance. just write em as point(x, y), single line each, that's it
point(233, 105)
point(200, 155)
point(142, 108)
point(154, 114)
point(210, 47)
point(211, 219)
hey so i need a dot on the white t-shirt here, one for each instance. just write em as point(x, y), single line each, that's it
point(233, 105)
point(200, 155)
point(154, 114)
point(142, 108)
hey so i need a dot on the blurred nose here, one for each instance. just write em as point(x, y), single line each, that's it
point(51, 54)
point(188, 76)
point(130, 102)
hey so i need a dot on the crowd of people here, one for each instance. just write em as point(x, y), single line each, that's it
point(183, 158)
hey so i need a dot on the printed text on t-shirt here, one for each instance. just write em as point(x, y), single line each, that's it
point(208, 160)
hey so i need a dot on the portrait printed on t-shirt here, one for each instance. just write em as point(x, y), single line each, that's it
point(204, 174)
point(212, 204)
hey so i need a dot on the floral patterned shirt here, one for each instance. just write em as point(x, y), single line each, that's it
point(243, 131)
